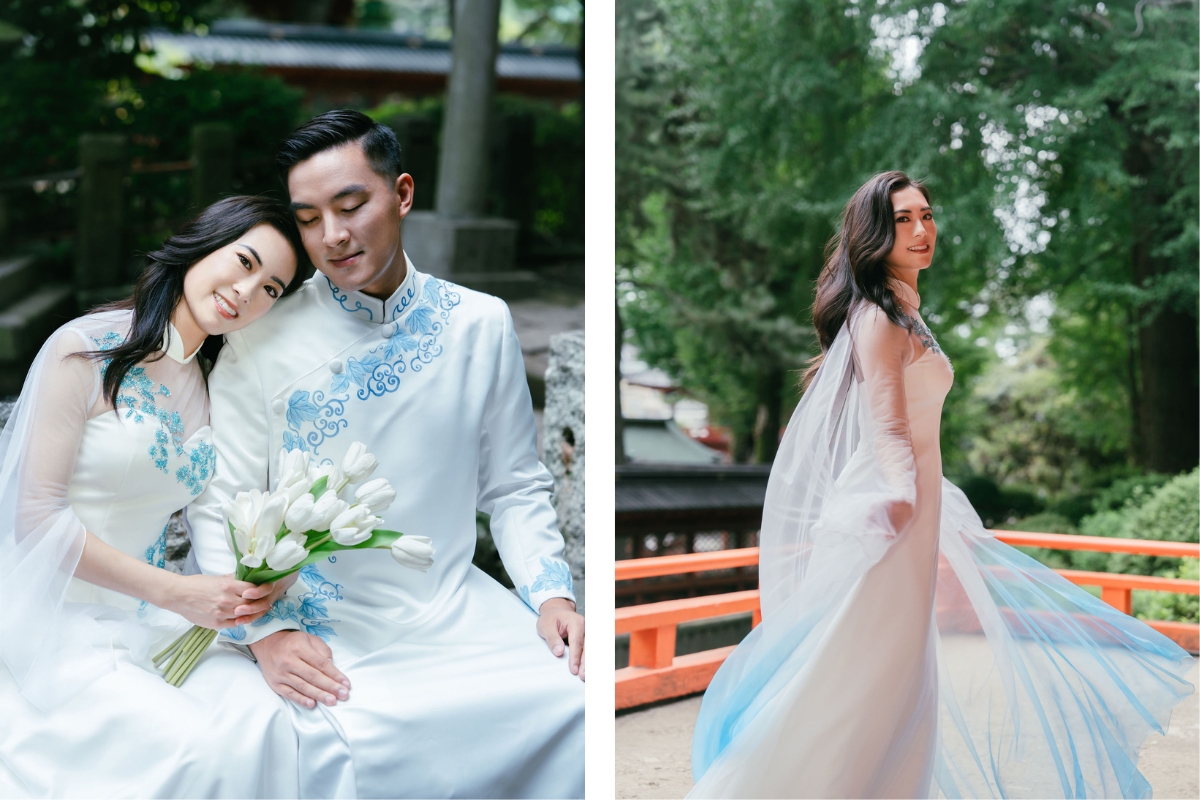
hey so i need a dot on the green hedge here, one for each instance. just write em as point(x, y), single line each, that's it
point(1155, 507)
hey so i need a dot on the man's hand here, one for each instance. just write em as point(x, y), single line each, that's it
point(299, 666)
point(557, 621)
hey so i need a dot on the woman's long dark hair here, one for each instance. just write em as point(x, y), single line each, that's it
point(159, 288)
point(855, 261)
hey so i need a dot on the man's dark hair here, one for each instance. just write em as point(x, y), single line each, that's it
point(334, 129)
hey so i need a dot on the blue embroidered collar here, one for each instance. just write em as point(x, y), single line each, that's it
point(372, 309)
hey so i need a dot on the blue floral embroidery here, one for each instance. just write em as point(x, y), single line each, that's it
point(309, 608)
point(413, 343)
point(202, 460)
point(138, 397)
point(237, 633)
point(926, 336)
point(555, 575)
point(155, 556)
point(324, 415)
point(341, 298)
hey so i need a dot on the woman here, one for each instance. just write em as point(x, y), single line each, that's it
point(904, 652)
point(109, 437)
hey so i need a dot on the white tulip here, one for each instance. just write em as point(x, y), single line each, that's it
point(293, 468)
point(288, 552)
point(414, 552)
point(354, 525)
point(256, 517)
point(377, 494)
point(327, 508)
point(330, 471)
point(243, 510)
point(358, 464)
point(299, 514)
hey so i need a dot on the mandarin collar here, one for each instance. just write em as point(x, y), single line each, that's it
point(172, 345)
point(372, 309)
point(905, 292)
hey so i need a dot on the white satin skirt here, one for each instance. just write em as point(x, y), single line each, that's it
point(471, 703)
point(224, 733)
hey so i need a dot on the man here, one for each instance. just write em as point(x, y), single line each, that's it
point(404, 684)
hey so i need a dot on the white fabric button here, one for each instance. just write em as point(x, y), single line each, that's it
point(278, 405)
point(335, 366)
point(388, 331)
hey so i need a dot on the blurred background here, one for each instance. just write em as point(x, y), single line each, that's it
point(122, 119)
point(1059, 141)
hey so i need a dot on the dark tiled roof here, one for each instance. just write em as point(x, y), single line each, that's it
point(643, 489)
point(312, 46)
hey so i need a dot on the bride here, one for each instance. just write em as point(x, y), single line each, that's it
point(904, 652)
point(109, 437)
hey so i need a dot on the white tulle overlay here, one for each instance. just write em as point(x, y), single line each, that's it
point(84, 712)
point(916, 656)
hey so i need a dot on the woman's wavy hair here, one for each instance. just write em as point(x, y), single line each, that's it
point(855, 261)
point(159, 288)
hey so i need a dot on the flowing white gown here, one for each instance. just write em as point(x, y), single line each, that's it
point(84, 714)
point(926, 661)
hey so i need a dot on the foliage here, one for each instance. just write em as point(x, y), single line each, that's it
point(1060, 144)
point(736, 150)
point(55, 87)
point(1167, 605)
point(548, 177)
point(1151, 507)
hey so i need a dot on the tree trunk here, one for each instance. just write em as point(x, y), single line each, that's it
point(770, 399)
point(1169, 424)
point(620, 418)
point(1168, 350)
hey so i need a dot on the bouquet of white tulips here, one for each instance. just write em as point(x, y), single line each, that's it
point(311, 514)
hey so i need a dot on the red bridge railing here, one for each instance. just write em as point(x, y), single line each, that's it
point(656, 673)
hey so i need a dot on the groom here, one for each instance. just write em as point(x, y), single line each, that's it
point(404, 684)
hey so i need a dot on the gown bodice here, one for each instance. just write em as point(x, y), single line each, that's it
point(122, 494)
point(136, 462)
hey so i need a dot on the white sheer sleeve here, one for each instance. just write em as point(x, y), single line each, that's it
point(883, 350)
point(41, 538)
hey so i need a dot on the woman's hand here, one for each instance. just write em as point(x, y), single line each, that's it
point(900, 513)
point(278, 589)
point(221, 602)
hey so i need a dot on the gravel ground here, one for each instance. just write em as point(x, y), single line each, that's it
point(653, 751)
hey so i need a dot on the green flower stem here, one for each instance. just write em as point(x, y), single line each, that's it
point(171, 648)
point(186, 640)
point(185, 661)
point(198, 642)
point(318, 542)
point(205, 638)
point(179, 654)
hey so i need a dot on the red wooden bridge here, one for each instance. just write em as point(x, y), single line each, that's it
point(656, 673)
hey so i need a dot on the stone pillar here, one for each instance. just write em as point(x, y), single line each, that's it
point(99, 255)
point(565, 445)
point(456, 240)
point(212, 162)
point(463, 172)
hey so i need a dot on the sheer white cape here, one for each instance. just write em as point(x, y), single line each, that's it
point(1041, 689)
point(57, 634)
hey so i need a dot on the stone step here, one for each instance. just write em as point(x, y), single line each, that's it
point(25, 325)
point(18, 277)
